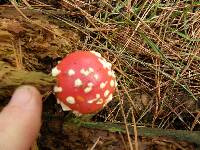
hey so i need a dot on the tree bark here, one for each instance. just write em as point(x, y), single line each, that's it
point(11, 78)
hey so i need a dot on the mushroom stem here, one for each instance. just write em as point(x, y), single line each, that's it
point(11, 78)
point(85, 117)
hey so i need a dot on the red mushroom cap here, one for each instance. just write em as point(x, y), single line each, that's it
point(85, 82)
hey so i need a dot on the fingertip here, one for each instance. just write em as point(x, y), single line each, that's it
point(20, 120)
point(26, 95)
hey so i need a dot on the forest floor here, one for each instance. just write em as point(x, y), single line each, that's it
point(154, 47)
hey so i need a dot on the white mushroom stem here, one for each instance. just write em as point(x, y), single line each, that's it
point(64, 107)
point(58, 101)
point(77, 113)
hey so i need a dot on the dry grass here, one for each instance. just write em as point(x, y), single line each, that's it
point(154, 48)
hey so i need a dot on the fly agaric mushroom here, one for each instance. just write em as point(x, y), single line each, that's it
point(85, 82)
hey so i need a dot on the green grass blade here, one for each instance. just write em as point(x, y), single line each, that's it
point(157, 50)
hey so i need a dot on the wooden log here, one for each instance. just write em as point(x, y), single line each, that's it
point(179, 135)
point(11, 78)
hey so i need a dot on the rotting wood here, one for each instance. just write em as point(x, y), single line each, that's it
point(11, 78)
point(179, 135)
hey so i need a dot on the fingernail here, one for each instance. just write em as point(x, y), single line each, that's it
point(24, 95)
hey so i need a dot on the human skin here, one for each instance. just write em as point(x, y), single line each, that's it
point(20, 120)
